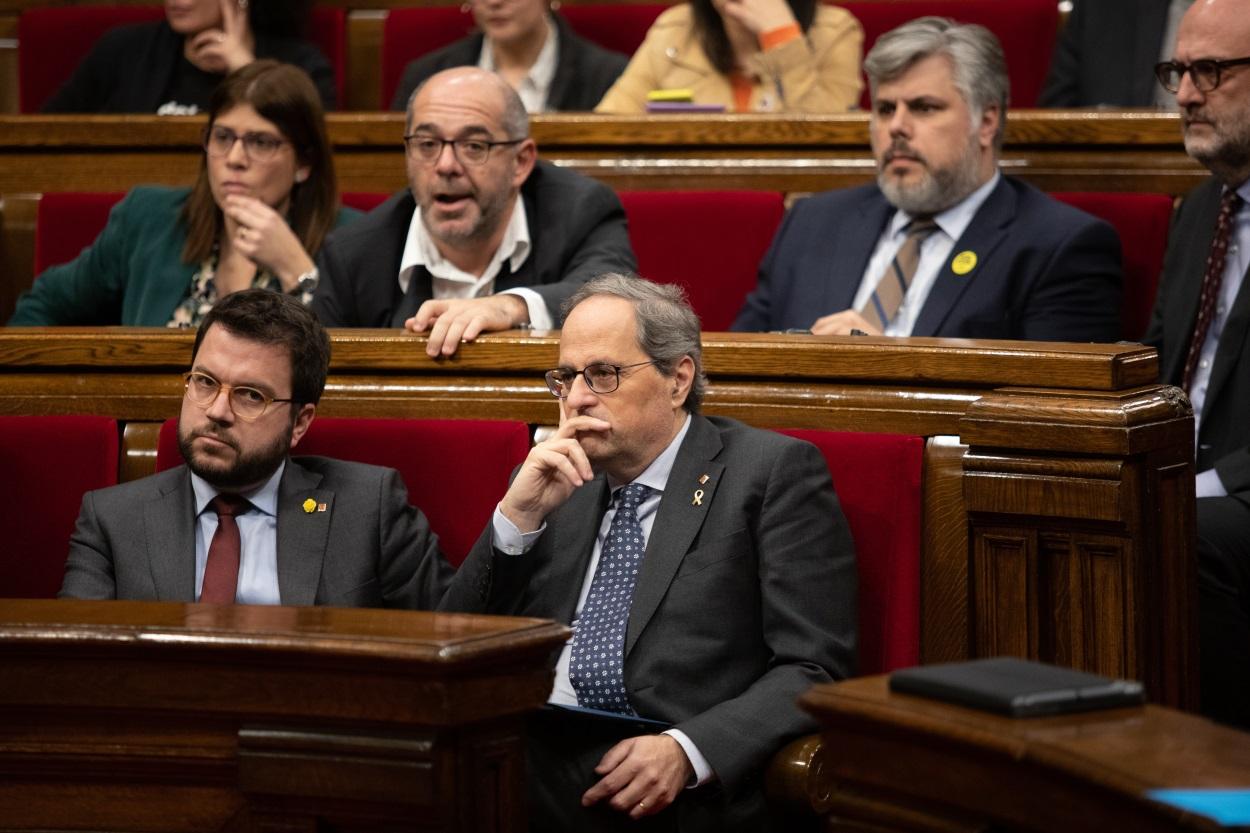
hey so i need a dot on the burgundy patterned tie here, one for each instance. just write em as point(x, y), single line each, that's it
point(1212, 280)
point(221, 572)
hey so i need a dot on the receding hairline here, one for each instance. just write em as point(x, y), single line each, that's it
point(458, 76)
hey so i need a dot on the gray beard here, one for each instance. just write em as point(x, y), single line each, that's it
point(939, 190)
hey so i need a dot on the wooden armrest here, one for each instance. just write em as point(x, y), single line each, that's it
point(793, 781)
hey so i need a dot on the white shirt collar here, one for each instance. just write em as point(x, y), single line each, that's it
point(264, 498)
point(954, 220)
point(536, 84)
point(452, 282)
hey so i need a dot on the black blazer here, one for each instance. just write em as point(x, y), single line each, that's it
point(1105, 55)
point(744, 600)
point(1044, 271)
point(1224, 430)
point(584, 70)
point(129, 70)
point(577, 231)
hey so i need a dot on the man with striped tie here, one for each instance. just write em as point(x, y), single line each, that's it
point(942, 244)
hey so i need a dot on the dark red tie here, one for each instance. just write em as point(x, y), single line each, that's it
point(221, 572)
point(1212, 280)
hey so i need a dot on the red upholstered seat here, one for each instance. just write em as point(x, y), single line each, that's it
point(410, 33)
point(710, 242)
point(67, 223)
point(363, 200)
point(455, 470)
point(1026, 28)
point(1142, 221)
point(878, 478)
point(52, 42)
point(47, 463)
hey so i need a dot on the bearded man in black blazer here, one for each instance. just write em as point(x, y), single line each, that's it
point(741, 588)
point(1205, 348)
point(486, 238)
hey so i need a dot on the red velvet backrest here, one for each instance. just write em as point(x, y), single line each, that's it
point(47, 463)
point(363, 200)
point(409, 33)
point(53, 41)
point(878, 481)
point(621, 27)
point(710, 242)
point(1026, 29)
point(66, 223)
point(1142, 221)
point(455, 470)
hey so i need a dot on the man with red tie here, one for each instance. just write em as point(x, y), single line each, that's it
point(1200, 326)
point(242, 521)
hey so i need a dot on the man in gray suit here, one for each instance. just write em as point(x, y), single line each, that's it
point(705, 565)
point(242, 521)
point(486, 237)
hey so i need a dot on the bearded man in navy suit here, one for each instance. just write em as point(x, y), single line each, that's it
point(1002, 260)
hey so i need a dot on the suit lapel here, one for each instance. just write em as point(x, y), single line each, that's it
point(1230, 348)
point(677, 522)
point(169, 521)
point(1182, 313)
point(302, 534)
point(1150, 21)
point(571, 547)
point(982, 237)
point(851, 250)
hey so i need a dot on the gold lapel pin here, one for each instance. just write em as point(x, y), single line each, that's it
point(703, 478)
point(321, 507)
point(698, 498)
point(309, 505)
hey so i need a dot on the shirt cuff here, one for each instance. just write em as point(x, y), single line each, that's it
point(540, 318)
point(1208, 484)
point(702, 769)
point(509, 540)
point(780, 35)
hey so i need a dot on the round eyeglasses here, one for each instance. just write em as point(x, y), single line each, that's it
point(600, 378)
point(1206, 73)
point(248, 404)
point(259, 147)
point(427, 149)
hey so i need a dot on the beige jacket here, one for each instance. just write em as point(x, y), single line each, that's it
point(818, 73)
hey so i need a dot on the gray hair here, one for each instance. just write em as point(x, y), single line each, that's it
point(978, 66)
point(515, 120)
point(667, 328)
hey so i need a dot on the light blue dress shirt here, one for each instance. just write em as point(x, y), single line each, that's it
point(258, 539)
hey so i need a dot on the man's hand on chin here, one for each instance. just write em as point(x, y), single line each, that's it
point(451, 321)
point(641, 775)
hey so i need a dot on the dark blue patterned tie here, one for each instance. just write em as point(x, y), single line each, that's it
point(597, 660)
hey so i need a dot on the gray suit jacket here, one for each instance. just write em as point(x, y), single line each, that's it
point(368, 549)
point(744, 600)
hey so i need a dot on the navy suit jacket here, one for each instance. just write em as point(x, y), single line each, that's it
point(1106, 55)
point(1045, 271)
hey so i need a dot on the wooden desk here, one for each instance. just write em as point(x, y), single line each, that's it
point(155, 716)
point(1058, 478)
point(892, 762)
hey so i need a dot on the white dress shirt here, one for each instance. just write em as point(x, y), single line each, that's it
point(536, 85)
point(449, 281)
point(258, 539)
point(934, 252)
point(1235, 264)
point(510, 540)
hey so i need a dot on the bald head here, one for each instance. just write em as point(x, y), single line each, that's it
point(480, 87)
point(1216, 121)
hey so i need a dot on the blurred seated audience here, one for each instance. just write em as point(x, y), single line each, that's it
point(533, 49)
point(264, 200)
point(487, 237)
point(171, 67)
point(747, 56)
point(1106, 52)
point(942, 244)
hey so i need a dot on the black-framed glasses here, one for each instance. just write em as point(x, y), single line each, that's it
point(427, 148)
point(248, 404)
point(1206, 73)
point(259, 147)
point(600, 378)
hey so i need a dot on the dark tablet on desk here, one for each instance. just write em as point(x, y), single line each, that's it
point(1017, 687)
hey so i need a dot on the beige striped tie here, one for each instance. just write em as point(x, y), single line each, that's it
point(885, 300)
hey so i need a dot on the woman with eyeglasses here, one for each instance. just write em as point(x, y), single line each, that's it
point(264, 201)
